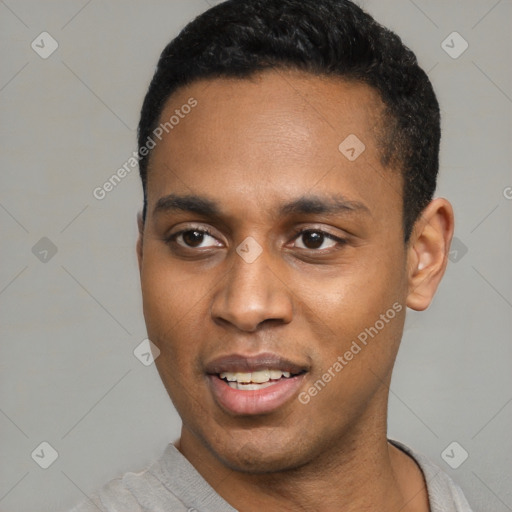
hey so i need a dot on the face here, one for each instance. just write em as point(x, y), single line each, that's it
point(273, 266)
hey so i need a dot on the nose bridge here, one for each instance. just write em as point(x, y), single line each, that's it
point(251, 292)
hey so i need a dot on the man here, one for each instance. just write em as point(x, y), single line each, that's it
point(288, 155)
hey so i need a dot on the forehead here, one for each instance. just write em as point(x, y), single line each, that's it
point(278, 134)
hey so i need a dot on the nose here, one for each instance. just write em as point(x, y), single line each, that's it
point(251, 294)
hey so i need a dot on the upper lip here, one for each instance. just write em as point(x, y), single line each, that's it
point(240, 363)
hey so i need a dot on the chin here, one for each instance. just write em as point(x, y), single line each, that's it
point(258, 462)
point(270, 453)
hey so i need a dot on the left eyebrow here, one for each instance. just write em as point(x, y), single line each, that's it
point(330, 205)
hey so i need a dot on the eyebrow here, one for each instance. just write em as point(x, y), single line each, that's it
point(312, 204)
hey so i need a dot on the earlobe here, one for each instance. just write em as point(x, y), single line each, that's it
point(140, 224)
point(428, 253)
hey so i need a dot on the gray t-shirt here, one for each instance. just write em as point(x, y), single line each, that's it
point(172, 484)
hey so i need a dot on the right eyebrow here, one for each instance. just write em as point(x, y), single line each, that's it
point(187, 203)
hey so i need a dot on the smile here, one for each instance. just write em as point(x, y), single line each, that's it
point(254, 385)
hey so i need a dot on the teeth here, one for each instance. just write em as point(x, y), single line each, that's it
point(275, 374)
point(257, 377)
point(261, 376)
point(249, 387)
point(242, 377)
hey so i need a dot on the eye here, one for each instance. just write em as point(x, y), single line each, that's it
point(315, 239)
point(194, 239)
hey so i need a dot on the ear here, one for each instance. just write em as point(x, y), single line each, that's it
point(140, 224)
point(428, 251)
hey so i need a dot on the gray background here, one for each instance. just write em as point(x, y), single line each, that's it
point(70, 322)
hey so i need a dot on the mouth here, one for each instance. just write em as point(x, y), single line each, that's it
point(255, 384)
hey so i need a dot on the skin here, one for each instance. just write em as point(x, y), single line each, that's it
point(251, 146)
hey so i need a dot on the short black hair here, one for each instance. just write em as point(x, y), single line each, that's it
point(239, 38)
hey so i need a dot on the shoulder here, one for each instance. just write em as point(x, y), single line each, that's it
point(443, 493)
point(170, 483)
point(115, 495)
point(136, 492)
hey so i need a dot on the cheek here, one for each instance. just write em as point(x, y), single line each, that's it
point(172, 304)
point(354, 295)
point(356, 347)
point(170, 301)
point(356, 314)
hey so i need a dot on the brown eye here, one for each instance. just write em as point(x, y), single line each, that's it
point(315, 239)
point(193, 238)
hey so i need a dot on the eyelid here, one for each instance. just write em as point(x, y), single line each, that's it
point(193, 227)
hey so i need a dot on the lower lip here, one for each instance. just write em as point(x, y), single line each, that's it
point(260, 401)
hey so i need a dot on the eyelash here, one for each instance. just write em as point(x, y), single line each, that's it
point(297, 233)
